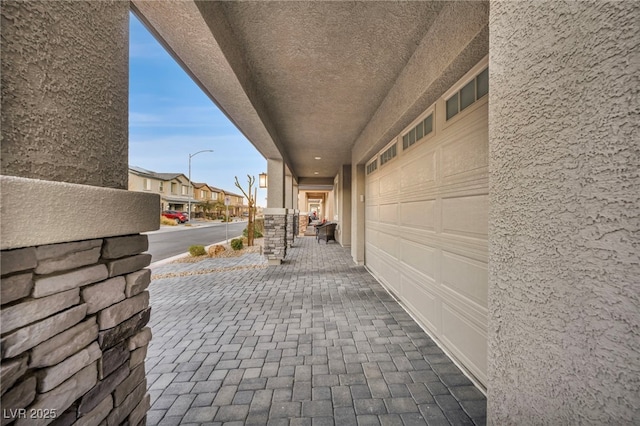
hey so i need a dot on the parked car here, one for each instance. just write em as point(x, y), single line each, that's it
point(179, 217)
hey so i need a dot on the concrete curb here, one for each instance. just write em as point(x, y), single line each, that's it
point(180, 256)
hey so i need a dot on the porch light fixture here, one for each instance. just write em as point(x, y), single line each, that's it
point(262, 180)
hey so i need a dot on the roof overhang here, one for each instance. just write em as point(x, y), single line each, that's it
point(321, 84)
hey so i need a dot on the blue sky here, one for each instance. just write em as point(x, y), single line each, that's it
point(170, 118)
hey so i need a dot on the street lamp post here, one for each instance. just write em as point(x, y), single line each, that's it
point(190, 184)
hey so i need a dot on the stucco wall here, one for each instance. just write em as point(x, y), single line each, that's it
point(64, 91)
point(564, 337)
point(460, 36)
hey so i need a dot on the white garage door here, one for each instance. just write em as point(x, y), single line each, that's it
point(427, 219)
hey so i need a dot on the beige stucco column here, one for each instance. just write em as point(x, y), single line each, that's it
point(564, 333)
point(358, 205)
point(275, 183)
point(275, 215)
point(343, 209)
point(64, 95)
point(74, 274)
point(288, 191)
point(289, 205)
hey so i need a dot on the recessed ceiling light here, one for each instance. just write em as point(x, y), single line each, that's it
point(316, 173)
point(318, 158)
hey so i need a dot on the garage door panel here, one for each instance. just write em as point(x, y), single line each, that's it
point(372, 189)
point(371, 235)
point(466, 215)
point(389, 213)
point(467, 340)
point(372, 213)
point(466, 277)
point(419, 172)
point(420, 257)
point(419, 214)
point(389, 182)
point(466, 148)
point(422, 303)
point(388, 273)
point(388, 243)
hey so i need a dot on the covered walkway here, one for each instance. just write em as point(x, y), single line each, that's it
point(316, 340)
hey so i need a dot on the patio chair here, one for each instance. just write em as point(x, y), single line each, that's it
point(326, 232)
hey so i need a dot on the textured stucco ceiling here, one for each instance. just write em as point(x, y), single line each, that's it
point(300, 79)
point(323, 68)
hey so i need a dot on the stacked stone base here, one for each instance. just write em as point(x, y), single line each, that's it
point(303, 222)
point(73, 333)
point(275, 235)
point(292, 226)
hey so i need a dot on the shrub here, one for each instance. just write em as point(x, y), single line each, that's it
point(256, 233)
point(236, 244)
point(167, 221)
point(197, 251)
point(216, 250)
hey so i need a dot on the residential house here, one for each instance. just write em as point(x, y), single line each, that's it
point(206, 198)
point(236, 203)
point(173, 188)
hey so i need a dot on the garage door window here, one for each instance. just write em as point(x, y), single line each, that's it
point(471, 92)
point(372, 167)
point(422, 129)
point(388, 154)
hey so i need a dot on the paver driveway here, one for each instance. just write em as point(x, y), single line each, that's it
point(315, 341)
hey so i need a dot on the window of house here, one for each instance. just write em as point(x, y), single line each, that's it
point(202, 194)
point(161, 187)
point(174, 188)
point(147, 184)
point(185, 190)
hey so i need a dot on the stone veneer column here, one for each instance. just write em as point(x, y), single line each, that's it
point(292, 226)
point(303, 222)
point(73, 332)
point(275, 235)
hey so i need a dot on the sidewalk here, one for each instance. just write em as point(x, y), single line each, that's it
point(195, 223)
point(315, 340)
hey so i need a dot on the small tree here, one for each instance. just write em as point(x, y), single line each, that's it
point(219, 208)
point(251, 200)
point(206, 207)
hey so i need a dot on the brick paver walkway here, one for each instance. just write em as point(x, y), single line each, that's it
point(315, 341)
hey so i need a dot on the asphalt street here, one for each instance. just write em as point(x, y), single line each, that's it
point(174, 240)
